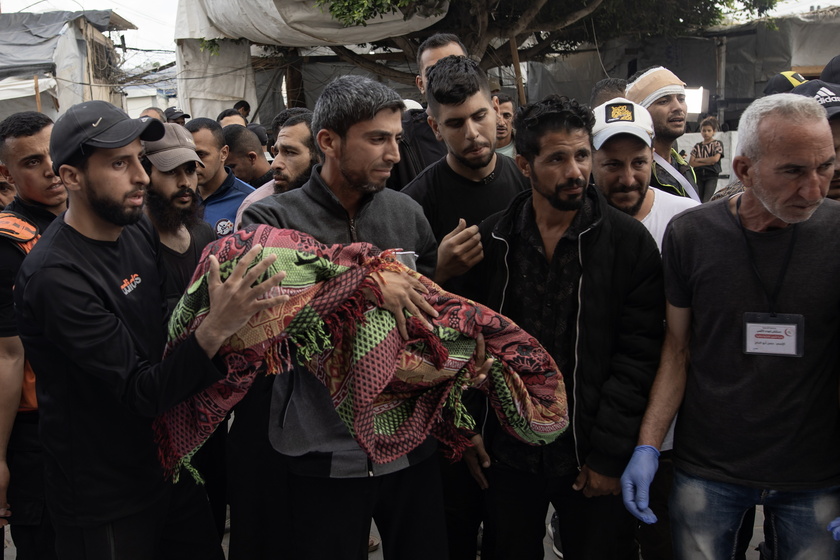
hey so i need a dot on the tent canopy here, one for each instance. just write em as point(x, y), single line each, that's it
point(290, 23)
point(28, 41)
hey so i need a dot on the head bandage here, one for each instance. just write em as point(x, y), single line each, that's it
point(652, 85)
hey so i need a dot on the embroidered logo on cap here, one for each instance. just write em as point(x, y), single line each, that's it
point(620, 112)
point(94, 125)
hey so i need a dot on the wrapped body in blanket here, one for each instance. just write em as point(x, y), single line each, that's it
point(390, 393)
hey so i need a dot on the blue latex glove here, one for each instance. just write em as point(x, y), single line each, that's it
point(834, 529)
point(635, 482)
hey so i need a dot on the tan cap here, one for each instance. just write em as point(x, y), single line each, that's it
point(175, 148)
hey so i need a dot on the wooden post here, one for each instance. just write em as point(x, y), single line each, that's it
point(514, 55)
point(37, 94)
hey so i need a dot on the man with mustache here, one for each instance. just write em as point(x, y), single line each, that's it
point(621, 166)
point(357, 126)
point(662, 93)
point(472, 181)
point(91, 315)
point(172, 206)
point(752, 368)
point(419, 147)
point(827, 95)
point(457, 192)
point(586, 281)
point(504, 125)
point(296, 154)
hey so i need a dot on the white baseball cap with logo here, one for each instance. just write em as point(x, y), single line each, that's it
point(621, 116)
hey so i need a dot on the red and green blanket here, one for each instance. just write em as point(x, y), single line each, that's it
point(390, 393)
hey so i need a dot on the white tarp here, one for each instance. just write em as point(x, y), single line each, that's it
point(291, 23)
point(814, 38)
point(208, 83)
point(18, 94)
point(13, 88)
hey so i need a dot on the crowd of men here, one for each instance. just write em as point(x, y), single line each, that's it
point(695, 390)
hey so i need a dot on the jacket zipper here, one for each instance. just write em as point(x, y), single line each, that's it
point(577, 347)
point(352, 224)
point(507, 271)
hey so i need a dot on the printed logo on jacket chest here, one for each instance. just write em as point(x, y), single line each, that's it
point(129, 284)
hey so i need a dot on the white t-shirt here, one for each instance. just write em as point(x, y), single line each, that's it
point(509, 150)
point(665, 207)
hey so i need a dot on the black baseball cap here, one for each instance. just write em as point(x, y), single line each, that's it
point(97, 124)
point(783, 82)
point(828, 95)
point(173, 113)
point(831, 72)
point(259, 130)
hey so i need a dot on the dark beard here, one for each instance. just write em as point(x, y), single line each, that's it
point(113, 212)
point(166, 217)
point(297, 183)
point(553, 198)
point(358, 183)
point(633, 210)
point(566, 205)
point(481, 164)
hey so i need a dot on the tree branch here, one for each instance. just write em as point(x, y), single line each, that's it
point(478, 37)
point(570, 19)
point(347, 55)
point(406, 46)
point(541, 46)
point(527, 17)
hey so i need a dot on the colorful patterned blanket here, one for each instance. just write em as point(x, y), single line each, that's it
point(390, 393)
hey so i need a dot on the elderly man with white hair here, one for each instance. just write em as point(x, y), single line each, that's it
point(750, 356)
point(662, 93)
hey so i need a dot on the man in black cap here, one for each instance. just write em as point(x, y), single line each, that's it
point(176, 115)
point(831, 71)
point(827, 95)
point(90, 312)
point(783, 82)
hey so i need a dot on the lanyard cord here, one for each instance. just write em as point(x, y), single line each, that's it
point(771, 300)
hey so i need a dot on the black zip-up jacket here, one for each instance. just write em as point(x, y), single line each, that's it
point(619, 325)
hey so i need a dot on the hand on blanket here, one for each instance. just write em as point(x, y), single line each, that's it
point(400, 293)
point(477, 459)
point(234, 301)
point(483, 363)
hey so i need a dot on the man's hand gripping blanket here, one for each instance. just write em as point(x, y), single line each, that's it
point(390, 393)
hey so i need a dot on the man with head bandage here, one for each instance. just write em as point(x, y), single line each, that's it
point(662, 93)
